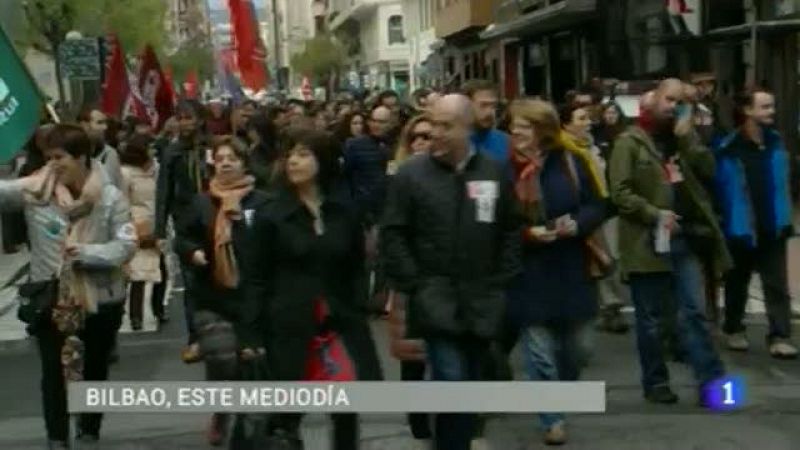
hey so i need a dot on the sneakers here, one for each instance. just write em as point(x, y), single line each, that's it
point(781, 348)
point(662, 395)
point(738, 342)
point(191, 353)
point(556, 435)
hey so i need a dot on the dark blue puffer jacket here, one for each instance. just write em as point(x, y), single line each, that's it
point(365, 162)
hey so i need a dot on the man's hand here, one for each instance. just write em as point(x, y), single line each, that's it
point(671, 220)
point(684, 127)
point(73, 250)
point(199, 258)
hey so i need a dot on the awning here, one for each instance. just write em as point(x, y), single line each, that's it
point(762, 27)
point(547, 19)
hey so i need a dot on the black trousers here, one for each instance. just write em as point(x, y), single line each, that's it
point(420, 423)
point(345, 428)
point(98, 336)
point(156, 299)
point(770, 261)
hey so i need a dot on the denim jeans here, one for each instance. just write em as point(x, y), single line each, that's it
point(454, 359)
point(556, 352)
point(189, 292)
point(685, 283)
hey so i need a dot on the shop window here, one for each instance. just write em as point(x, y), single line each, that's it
point(396, 30)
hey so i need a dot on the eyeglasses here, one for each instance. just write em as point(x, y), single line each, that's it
point(423, 136)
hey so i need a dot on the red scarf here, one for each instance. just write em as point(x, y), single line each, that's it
point(526, 186)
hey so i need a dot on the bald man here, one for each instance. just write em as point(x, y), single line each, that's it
point(667, 222)
point(451, 243)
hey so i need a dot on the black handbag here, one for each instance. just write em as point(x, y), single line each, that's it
point(36, 300)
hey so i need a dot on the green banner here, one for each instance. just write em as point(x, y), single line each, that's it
point(20, 102)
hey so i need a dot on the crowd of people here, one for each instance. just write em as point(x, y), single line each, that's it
point(473, 227)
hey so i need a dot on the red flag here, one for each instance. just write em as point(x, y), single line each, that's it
point(250, 51)
point(135, 105)
point(115, 86)
point(155, 89)
point(168, 79)
point(190, 86)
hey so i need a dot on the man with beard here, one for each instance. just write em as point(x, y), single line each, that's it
point(95, 122)
point(667, 221)
point(485, 137)
point(752, 186)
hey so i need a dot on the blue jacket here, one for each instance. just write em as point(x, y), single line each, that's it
point(733, 196)
point(493, 143)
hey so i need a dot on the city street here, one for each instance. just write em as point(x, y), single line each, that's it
point(771, 419)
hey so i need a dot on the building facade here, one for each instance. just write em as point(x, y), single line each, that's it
point(187, 21)
point(462, 53)
point(419, 19)
point(375, 36)
point(295, 24)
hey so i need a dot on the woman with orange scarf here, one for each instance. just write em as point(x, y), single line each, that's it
point(212, 240)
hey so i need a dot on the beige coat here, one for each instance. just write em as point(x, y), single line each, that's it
point(139, 186)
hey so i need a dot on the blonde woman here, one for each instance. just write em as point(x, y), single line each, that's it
point(554, 301)
point(416, 138)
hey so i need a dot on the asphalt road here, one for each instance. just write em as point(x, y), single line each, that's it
point(771, 419)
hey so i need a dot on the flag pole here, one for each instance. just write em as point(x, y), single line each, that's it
point(52, 112)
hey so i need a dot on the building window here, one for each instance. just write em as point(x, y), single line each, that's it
point(396, 30)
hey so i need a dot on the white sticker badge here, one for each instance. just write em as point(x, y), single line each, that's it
point(485, 194)
point(248, 216)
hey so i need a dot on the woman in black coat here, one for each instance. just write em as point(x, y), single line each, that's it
point(211, 241)
point(307, 257)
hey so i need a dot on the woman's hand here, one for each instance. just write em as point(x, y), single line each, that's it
point(566, 227)
point(199, 258)
point(249, 354)
point(542, 235)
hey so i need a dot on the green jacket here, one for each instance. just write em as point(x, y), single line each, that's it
point(640, 190)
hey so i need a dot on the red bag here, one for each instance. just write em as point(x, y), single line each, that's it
point(328, 359)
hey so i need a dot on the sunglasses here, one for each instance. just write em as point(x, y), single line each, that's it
point(423, 136)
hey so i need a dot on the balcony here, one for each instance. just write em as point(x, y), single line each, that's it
point(464, 15)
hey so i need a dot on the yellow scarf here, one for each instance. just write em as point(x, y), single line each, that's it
point(581, 149)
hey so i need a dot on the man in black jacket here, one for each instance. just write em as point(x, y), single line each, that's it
point(365, 161)
point(451, 243)
point(182, 175)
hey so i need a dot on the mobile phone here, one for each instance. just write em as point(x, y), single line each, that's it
point(683, 111)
